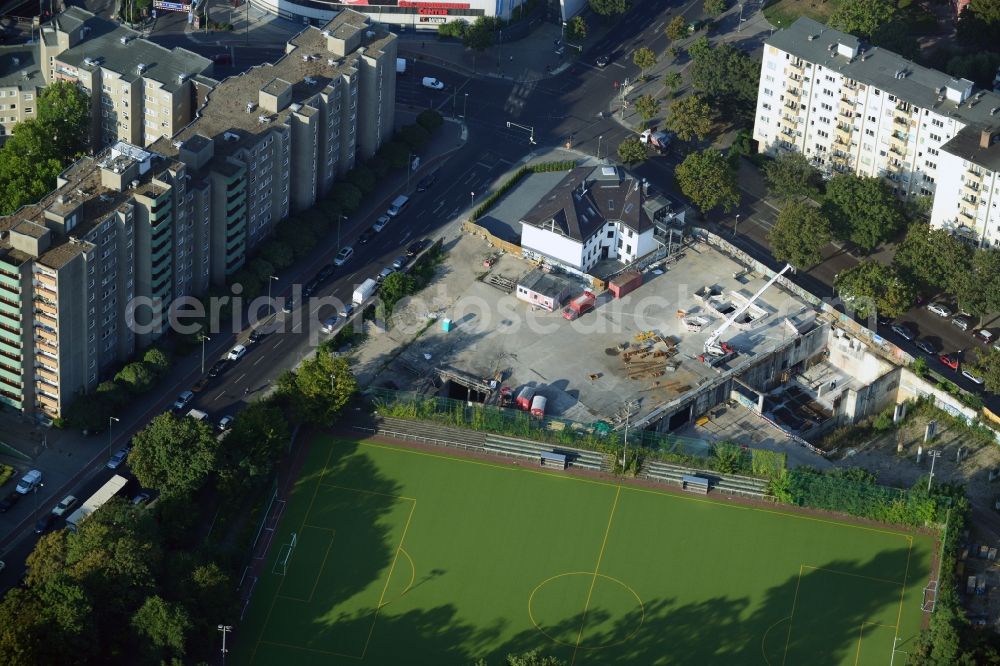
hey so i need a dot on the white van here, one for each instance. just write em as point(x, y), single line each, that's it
point(398, 204)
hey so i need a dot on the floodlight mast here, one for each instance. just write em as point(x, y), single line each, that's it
point(712, 345)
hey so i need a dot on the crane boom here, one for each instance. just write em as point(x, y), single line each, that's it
point(711, 344)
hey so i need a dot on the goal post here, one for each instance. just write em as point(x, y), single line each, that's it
point(284, 555)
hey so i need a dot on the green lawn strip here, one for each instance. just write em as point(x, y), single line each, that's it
point(499, 559)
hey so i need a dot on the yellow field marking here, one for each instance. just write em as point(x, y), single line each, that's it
point(395, 559)
point(795, 600)
point(597, 568)
point(368, 492)
point(306, 649)
point(413, 571)
point(852, 575)
point(861, 635)
point(673, 496)
point(267, 618)
point(902, 591)
point(531, 616)
point(763, 639)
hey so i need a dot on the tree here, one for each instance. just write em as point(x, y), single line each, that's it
point(481, 35)
point(798, 234)
point(346, 195)
point(25, 177)
point(979, 67)
point(162, 628)
point(253, 446)
point(362, 178)
point(396, 153)
point(456, 28)
point(871, 287)
point(708, 180)
point(631, 150)
point(644, 58)
point(932, 258)
point(608, 7)
point(157, 360)
point(318, 391)
point(987, 367)
point(89, 413)
point(790, 175)
point(978, 287)
point(112, 392)
point(862, 17)
point(973, 32)
point(394, 288)
point(716, 7)
point(430, 120)
point(262, 269)
point(725, 74)
point(64, 110)
point(577, 28)
point(672, 80)
point(174, 455)
point(278, 254)
point(987, 10)
point(677, 28)
point(137, 377)
point(862, 210)
point(247, 278)
point(647, 106)
point(414, 136)
point(690, 118)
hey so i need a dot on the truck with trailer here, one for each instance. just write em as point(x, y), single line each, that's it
point(96, 501)
point(580, 305)
point(364, 291)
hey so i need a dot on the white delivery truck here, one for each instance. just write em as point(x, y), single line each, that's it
point(364, 291)
point(401, 65)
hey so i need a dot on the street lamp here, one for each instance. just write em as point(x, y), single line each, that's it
point(625, 448)
point(472, 199)
point(271, 278)
point(599, 147)
point(343, 218)
point(934, 455)
point(111, 420)
point(409, 170)
point(35, 493)
point(225, 629)
point(526, 128)
point(204, 338)
point(465, 104)
point(736, 224)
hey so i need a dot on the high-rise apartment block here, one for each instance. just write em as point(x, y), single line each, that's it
point(21, 80)
point(135, 226)
point(868, 111)
point(139, 91)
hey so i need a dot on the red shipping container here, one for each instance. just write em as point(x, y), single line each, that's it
point(624, 283)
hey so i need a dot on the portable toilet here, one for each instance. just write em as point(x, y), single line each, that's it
point(446, 325)
point(538, 406)
point(524, 397)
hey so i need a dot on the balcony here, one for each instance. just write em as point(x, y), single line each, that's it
point(44, 278)
point(970, 190)
point(847, 114)
point(796, 68)
point(9, 309)
point(42, 335)
point(159, 254)
point(787, 131)
point(973, 177)
point(50, 405)
point(901, 120)
point(971, 200)
point(966, 215)
point(793, 92)
point(10, 351)
point(12, 378)
point(40, 306)
point(46, 320)
point(46, 345)
point(48, 375)
point(897, 150)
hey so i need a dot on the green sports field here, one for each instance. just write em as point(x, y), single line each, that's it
point(409, 557)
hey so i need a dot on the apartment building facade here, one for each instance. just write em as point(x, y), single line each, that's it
point(868, 111)
point(87, 273)
point(139, 91)
point(21, 80)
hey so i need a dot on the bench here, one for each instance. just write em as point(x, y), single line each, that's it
point(694, 484)
point(552, 459)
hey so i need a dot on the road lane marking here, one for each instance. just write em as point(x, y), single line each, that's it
point(258, 361)
point(439, 207)
point(238, 379)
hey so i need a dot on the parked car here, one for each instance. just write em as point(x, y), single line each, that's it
point(432, 83)
point(201, 384)
point(141, 499)
point(222, 59)
point(325, 273)
point(346, 310)
point(950, 360)
point(386, 272)
point(328, 324)
point(344, 255)
point(925, 345)
point(366, 236)
point(602, 61)
point(237, 352)
point(962, 322)
point(65, 505)
point(256, 335)
point(225, 423)
point(985, 336)
point(971, 377)
point(288, 305)
point(310, 288)
point(426, 182)
point(43, 524)
point(903, 331)
point(219, 366)
point(8, 502)
point(416, 247)
point(400, 262)
point(117, 459)
point(29, 482)
point(939, 310)
point(182, 401)
point(380, 223)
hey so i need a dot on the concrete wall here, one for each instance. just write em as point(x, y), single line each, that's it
point(552, 245)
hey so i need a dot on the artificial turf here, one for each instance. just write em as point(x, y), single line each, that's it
point(410, 557)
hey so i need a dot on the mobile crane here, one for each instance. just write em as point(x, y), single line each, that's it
point(713, 347)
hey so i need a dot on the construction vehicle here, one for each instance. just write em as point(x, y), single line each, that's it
point(580, 305)
point(713, 347)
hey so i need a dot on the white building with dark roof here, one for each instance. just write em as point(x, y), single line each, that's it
point(851, 108)
point(590, 216)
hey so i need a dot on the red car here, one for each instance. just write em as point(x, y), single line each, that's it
point(951, 360)
point(222, 59)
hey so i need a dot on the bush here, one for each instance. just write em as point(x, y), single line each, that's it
point(347, 196)
point(261, 269)
point(136, 377)
point(396, 153)
point(6, 471)
point(157, 360)
point(378, 166)
point(414, 136)
point(430, 120)
point(278, 254)
point(883, 422)
point(362, 178)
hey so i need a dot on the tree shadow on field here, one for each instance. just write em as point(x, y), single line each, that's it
point(831, 603)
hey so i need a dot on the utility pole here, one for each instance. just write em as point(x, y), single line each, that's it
point(111, 420)
point(599, 147)
point(409, 169)
point(225, 629)
point(343, 218)
point(934, 455)
point(204, 338)
point(625, 448)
